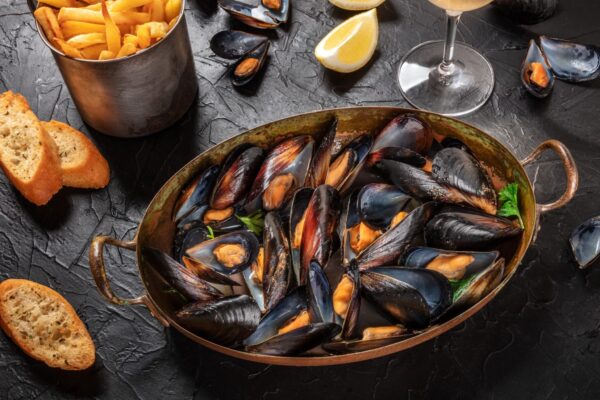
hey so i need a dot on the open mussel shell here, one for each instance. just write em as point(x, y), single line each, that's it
point(413, 297)
point(585, 242)
point(297, 341)
point(226, 321)
point(236, 177)
point(389, 247)
point(536, 75)
point(322, 157)
point(458, 169)
point(234, 44)
point(187, 237)
point(283, 171)
point(346, 302)
point(255, 16)
point(468, 229)
point(349, 219)
point(379, 203)
point(453, 265)
point(298, 207)
point(357, 345)
point(196, 194)
point(571, 62)
point(278, 9)
point(348, 163)
point(470, 290)
point(228, 254)
point(248, 67)
point(178, 277)
point(320, 223)
point(406, 131)
point(277, 271)
point(320, 301)
point(208, 274)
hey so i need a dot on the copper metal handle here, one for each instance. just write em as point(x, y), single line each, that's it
point(570, 171)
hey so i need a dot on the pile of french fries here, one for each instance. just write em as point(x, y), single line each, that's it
point(105, 30)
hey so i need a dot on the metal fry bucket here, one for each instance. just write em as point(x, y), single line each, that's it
point(137, 95)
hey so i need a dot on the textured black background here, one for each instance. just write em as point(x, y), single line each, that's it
point(537, 340)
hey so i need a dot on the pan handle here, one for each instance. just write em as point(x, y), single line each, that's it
point(96, 259)
point(570, 171)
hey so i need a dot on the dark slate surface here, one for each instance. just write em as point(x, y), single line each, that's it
point(537, 340)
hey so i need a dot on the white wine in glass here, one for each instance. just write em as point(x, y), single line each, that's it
point(447, 77)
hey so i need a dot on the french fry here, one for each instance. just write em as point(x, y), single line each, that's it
point(129, 38)
point(157, 10)
point(47, 20)
point(58, 3)
point(143, 34)
point(172, 9)
point(95, 7)
point(70, 51)
point(126, 50)
point(124, 5)
point(113, 34)
point(172, 23)
point(91, 1)
point(74, 28)
point(86, 40)
point(93, 52)
point(95, 16)
point(106, 55)
point(157, 29)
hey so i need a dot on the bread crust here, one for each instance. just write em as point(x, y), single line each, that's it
point(93, 171)
point(46, 180)
point(86, 354)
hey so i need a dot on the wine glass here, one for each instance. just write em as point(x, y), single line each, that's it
point(456, 84)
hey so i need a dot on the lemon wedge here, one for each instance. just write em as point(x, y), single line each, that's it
point(356, 5)
point(350, 45)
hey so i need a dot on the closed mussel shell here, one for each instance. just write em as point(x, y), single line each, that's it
point(406, 131)
point(234, 44)
point(379, 203)
point(277, 272)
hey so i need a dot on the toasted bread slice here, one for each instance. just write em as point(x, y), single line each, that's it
point(44, 325)
point(82, 164)
point(28, 154)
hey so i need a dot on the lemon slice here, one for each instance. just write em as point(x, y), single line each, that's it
point(356, 5)
point(350, 45)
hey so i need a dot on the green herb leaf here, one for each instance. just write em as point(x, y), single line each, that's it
point(459, 286)
point(255, 222)
point(211, 233)
point(509, 202)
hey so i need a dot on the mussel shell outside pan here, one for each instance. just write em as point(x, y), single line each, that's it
point(297, 341)
point(277, 271)
point(196, 194)
point(406, 131)
point(534, 54)
point(255, 16)
point(280, 12)
point(421, 257)
point(227, 320)
point(234, 44)
point(205, 252)
point(585, 242)
point(246, 69)
point(571, 62)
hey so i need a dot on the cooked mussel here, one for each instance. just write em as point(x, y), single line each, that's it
point(413, 297)
point(322, 158)
point(585, 242)
point(373, 337)
point(400, 154)
point(348, 163)
point(278, 9)
point(234, 44)
point(318, 234)
point(382, 206)
point(468, 229)
point(320, 301)
point(277, 271)
point(570, 61)
point(454, 265)
point(188, 237)
point(284, 171)
point(354, 234)
point(178, 277)
point(256, 16)
point(243, 71)
point(536, 75)
point(469, 291)
point(298, 340)
point(195, 195)
point(407, 131)
point(225, 321)
point(253, 277)
point(228, 254)
point(346, 301)
point(298, 207)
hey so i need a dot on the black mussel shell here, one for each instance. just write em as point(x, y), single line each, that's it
point(406, 131)
point(225, 321)
point(355, 346)
point(320, 303)
point(348, 163)
point(196, 194)
point(208, 274)
point(318, 235)
point(211, 252)
point(379, 203)
point(238, 173)
point(350, 318)
point(277, 272)
point(414, 297)
point(535, 61)
point(527, 11)
point(298, 207)
point(470, 290)
point(458, 169)
point(235, 44)
point(468, 230)
point(350, 217)
point(451, 264)
point(390, 246)
point(192, 237)
point(322, 158)
point(178, 277)
point(585, 242)
point(255, 16)
point(297, 341)
point(278, 9)
point(400, 154)
point(571, 62)
point(243, 71)
point(285, 168)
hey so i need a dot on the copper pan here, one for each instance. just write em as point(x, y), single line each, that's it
point(157, 229)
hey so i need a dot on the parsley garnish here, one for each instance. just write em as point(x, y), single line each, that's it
point(211, 233)
point(459, 287)
point(254, 222)
point(509, 202)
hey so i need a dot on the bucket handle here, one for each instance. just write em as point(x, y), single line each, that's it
point(97, 266)
point(570, 171)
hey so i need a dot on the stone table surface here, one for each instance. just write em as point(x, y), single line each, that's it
point(539, 339)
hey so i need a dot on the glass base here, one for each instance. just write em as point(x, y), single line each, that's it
point(463, 91)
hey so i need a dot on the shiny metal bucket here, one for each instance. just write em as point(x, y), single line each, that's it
point(136, 95)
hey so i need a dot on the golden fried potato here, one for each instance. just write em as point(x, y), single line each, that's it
point(87, 40)
point(106, 55)
point(47, 20)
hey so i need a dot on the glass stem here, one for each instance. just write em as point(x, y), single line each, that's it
point(447, 65)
